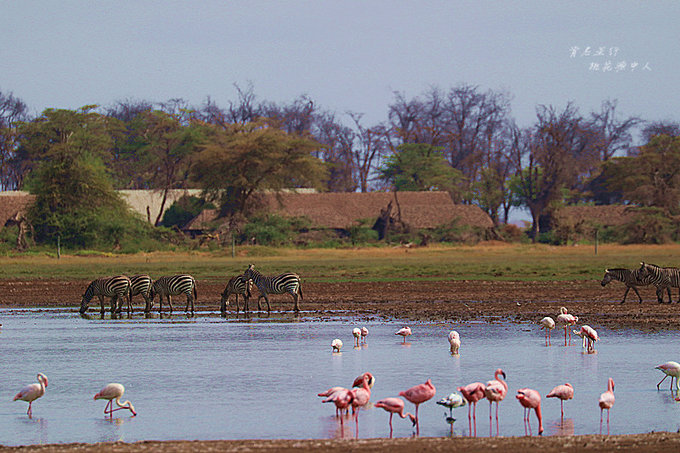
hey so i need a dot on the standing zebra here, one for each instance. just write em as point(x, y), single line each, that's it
point(237, 285)
point(173, 286)
point(141, 284)
point(113, 287)
point(280, 284)
point(661, 277)
point(632, 279)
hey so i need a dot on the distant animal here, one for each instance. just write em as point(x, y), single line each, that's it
point(336, 345)
point(280, 284)
point(472, 394)
point(661, 277)
point(236, 285)
point(633, 279)
point(117, 287)
point(564, 392)
point(404, 332)
point(589, 335)
point(395, 406)
point(548, 324)
point(606, 401)
point(114, 392)
point(364, 334)
point(454, 342)
point(417, 395)
point(495, 391)
point(566, 319)
point(141, 284)
point(671, 369)
point(175, 285)
point(32, 392)
point(531, 399)
point(356, 333)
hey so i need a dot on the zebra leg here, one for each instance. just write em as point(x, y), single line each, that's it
point(170, 302)
point(296, 307)
point(638, 294)
point(101, 302)
point(147, 303)
point(269, 309)
point(626, 294)
point(237, 307)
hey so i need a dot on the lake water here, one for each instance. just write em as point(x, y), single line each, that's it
point(257, 378)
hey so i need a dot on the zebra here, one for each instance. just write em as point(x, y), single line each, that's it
point(662, 276)
point(237, 285)
point(632, 279)
point(141, 284)
point(113, 287)
point(285, 283)
point(173, 286)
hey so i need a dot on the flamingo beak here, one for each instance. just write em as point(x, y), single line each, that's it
point(503, 373)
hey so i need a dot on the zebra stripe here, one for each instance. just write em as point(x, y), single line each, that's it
point(236, 285)
point(664, 277)
point(113, 287)
point(173, 286)
point(141, 284)
point(280, 284)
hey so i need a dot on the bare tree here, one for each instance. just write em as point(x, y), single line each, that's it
point(612, 135)
point(12, 111)
point(369, 147)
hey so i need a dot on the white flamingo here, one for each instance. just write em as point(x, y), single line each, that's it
point(548, 324)
point(32, 392)
point(114, 392)
point(454, 341)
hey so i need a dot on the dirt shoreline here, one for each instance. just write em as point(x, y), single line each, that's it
point(444, 301)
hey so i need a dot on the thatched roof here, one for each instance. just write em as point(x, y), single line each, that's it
point(605, 215)
point(342, 210)
point(12, 202)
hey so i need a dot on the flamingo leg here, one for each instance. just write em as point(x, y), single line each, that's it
point(417, 421)
point(29, 412)
point(391, 414)
point(562, 408)
point(497, 427)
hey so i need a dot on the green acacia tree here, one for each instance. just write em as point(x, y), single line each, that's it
point(418, 166)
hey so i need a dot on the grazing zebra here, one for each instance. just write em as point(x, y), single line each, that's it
point(141, 284)
point(662, 277)
point(236, 285)
point(113, 287)
point(280, 284)
point(173, 286)
point(632, 279)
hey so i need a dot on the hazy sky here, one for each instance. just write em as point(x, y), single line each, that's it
point(348, 55)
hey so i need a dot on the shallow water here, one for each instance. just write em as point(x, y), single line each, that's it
point(211, 378)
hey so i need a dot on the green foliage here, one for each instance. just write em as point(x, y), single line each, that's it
point(650, 226)
point(362, 234)
point(272, 229)
point(183, 210)
point(418, 166)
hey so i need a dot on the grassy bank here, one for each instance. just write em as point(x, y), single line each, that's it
point(481, 262)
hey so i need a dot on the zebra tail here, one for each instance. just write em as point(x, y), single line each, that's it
point(195, 292)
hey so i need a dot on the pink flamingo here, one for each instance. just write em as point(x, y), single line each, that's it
point(495, 391)
point(606, 401)
point(472, 393)
point(404, 332)
point(32, 392)
point(356, 332)
point(548, 324)
point(358, 382)
point(395, 406)
point(530, 399)
point(588, 334)
point(330, 392)
point(360, 398)
point(417, 395)
point(567, 320)
point(364, 334)
point(454, 341)
point(114, 392)
point(342, 399)
point(564, 392)
point(671, 369)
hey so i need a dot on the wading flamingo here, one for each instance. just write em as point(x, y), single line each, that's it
point(472, 393)
point(336, 345)
point(589, 335)
point(364, 334)
point(356, 332)
point(495, 391)
point(671, 369)
point(564, 392)
point(114, 392)
point(530, 399)
point(32, 392)
point(329, 393)
point(360, 398)
point(452, 401)
point(419, 394)
point(454, 341)
point(606, 401)
point(566, 320)
point(404, 332)
point(548, 324)
point(342, 399)
point(395, 406)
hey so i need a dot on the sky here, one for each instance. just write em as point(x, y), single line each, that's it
point(346, 56)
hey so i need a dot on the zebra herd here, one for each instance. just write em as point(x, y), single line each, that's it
point(663, 278)
point(121, 287)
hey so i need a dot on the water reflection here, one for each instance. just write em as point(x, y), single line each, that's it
point(563, 427)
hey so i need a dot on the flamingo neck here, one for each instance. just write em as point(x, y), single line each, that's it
point(539, 416)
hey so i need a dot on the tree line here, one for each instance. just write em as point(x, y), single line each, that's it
point(463, 140)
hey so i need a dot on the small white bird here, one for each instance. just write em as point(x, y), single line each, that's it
point(566, 320)
point(364, 334)
point(454, 341)
point(356, 332)
point(32, 392)
point(548, 324)
point(336, 345)
point(404, 332)
point(451, 402)
point(114, 392)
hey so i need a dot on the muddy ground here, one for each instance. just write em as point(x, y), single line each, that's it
point(451, 301)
